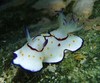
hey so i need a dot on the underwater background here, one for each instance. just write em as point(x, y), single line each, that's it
point(82, 66)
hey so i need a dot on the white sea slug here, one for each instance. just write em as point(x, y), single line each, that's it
point(49, 47)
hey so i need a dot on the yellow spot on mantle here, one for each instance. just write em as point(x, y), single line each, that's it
point(51, 41)
point(51, 55)
point(41, 58)
point(68, 44)
point(33, 56)
point(73, 40)
point(47, 48)
point(22, 54)
point(28, 55)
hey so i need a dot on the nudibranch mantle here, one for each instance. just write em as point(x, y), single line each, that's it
point(49, 48)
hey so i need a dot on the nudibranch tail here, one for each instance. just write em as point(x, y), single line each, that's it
point(73, 43)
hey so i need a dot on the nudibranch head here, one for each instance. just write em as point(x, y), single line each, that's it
point(28, 59)
point(30, 55)
point(49, 47)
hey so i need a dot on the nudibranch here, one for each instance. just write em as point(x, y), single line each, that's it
point(49, 47)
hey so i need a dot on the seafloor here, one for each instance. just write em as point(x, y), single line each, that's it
point(82, 66)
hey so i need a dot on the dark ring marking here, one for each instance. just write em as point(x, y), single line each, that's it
point(45, 43)
point(59, 39)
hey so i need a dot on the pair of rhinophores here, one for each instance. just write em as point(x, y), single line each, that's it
point(49, 47)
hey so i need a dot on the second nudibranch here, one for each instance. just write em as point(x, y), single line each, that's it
point(49, 47)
